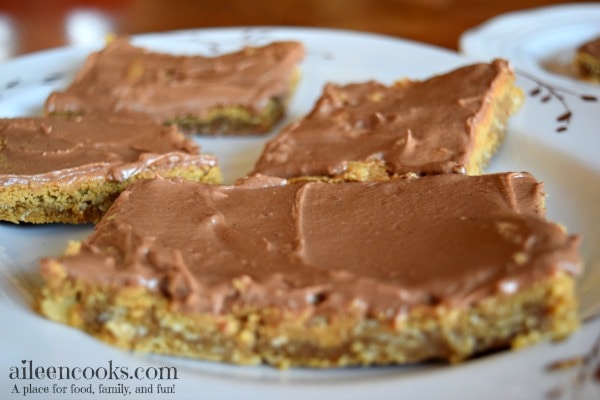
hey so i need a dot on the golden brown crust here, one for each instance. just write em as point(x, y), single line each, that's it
point(137, 319)
point(489, 134)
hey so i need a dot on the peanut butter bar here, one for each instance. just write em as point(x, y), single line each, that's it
point(70, 169)
point(241, 92)
point(316, 274)
point(369, 131)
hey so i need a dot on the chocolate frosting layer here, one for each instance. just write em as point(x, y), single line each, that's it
point(366, 248)
point(123, 77)
point(421, 127)
point(113, 147)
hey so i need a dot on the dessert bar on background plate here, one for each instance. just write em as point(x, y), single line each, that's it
point(541, 44)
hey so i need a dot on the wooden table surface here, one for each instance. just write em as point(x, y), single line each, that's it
point(33, 25)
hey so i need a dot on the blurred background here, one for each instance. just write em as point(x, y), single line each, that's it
point(32, 25)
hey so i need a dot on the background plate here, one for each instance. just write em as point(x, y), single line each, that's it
point(539, 41)
point(565, 161)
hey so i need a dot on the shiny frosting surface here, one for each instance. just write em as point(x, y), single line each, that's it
point(123, 77)
point(366, 248)
point(66, 149)
point(412, 126)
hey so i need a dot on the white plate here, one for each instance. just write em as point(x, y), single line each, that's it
point(565, 161)
point(540, 42)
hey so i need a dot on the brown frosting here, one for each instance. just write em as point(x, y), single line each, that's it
point(114, 147)
point(361, 248)
point(418, 127)
point(122, 77)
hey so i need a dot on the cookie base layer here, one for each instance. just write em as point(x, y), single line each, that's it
point(233, 120)
point(137, 319)
point(490, 134)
